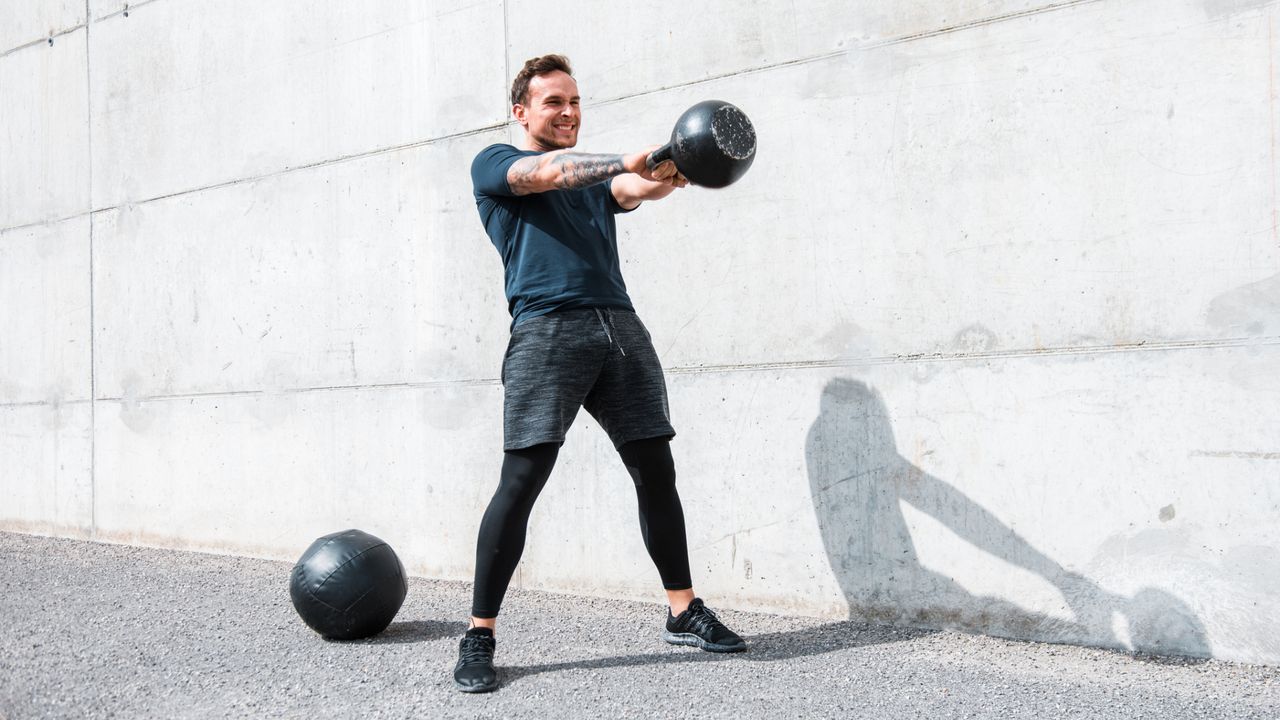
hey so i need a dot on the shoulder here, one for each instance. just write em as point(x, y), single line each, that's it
point(495, 153)
point(489, 168)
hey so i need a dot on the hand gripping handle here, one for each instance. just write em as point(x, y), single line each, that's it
point(662, 154)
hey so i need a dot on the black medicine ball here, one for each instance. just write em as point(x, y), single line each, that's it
point(348, 585)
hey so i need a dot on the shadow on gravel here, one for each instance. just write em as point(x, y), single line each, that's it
point(770, 647)
point(415, 631)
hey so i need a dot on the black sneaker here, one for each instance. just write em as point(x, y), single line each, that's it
point(474, 672)
point(700, 627)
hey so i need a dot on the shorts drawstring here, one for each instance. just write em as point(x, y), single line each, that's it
point(608, 324)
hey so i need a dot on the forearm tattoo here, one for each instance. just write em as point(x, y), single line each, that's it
point(578, 170)
point(573, 170)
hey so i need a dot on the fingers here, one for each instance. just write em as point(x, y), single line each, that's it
point(667, 172)
point(664, 170)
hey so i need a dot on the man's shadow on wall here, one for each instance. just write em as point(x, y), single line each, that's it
point(858, 482)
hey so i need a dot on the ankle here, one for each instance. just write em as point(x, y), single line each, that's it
point(491, 623)
point(678, 600)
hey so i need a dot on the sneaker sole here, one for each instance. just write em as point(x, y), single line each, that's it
point(694, 641)
point(475, 688)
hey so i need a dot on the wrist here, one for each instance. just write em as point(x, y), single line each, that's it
point(635, 162)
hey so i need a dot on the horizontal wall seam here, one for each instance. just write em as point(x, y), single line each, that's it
point(41, 41)
point(846, 51)
point(869, 46)
point(45, 403)
point(45, 223)
point(849, 362)
point(264, 176)
point(321, 163)
point(982, 356)
point(67, 31)
point(1235, 454)
point(595, 103)
point(981, 22)
point(127, 7)
point(480, 382)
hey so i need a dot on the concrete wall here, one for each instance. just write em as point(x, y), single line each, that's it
point(989, 338)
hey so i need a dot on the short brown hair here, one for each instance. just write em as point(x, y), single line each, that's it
point(532, 68)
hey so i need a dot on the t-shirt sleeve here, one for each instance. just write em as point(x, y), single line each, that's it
point(489, 170)
point(614, 207)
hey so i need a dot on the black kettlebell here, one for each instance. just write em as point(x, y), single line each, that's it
point(713, 144)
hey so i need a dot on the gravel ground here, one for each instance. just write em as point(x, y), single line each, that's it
point(94, 631)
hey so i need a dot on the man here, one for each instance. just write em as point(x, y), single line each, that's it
point(575, 342)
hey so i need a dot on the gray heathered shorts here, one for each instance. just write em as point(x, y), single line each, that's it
point(602, 360)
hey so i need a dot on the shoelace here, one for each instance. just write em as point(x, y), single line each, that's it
point(476, 649)
point(703, 620)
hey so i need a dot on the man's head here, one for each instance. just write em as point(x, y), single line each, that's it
point(544, 100)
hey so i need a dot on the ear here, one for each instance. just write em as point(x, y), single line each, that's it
point(519, 113)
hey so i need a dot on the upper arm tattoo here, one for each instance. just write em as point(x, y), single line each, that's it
point(572, 171)
point(520, 175)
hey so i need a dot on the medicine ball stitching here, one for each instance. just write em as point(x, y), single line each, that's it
point(335, 609)
point(301, 589)
point(348, 562)
point(318, 600)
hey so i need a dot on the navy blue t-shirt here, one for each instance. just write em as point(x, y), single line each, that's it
point(559, 248)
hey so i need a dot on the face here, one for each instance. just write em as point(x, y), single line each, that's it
point(551, 117)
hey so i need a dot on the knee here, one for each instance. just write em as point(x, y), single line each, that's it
point(519, 488)
point(649, 463)
point(525, 471)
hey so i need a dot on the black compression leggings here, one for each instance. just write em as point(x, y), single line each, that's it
point(525, 472)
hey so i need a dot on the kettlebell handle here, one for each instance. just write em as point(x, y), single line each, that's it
point(660, 155)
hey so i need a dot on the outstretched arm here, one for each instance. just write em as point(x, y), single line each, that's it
point(631, 190)
point(568, 170)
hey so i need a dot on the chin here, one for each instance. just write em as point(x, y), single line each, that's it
point(559, 143)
